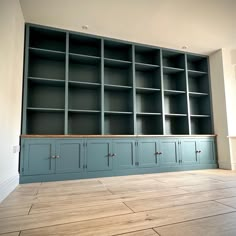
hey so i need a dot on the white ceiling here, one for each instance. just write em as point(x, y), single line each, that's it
point(202, 25)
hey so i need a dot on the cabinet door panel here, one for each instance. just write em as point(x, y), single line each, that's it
point(207, 148)
point(147, 156)
point(97, 155)
point(188, 152)
point(69, 155)
point(38, 157)
point(123, 154)
point(169, 150)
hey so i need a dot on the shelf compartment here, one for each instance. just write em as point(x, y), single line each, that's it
point(199, 105)
point(148, 78)
point(197, 63)
point(117, 50)
point(173, 59)
point(115, 100)
point(118, 124)
point(84, 98)
point(84, 69)
point(47, 39)
point(175, 103)
point(148, 102)
point(84, 45)
point(117, 75)
point(45, 122)
point(201, 125)
point(84, 123)
point(145, 55)
point(42, 95)
point(176, 125)
point(198, 82)
point(174, 80)
point(149, 125)
point(43, 64)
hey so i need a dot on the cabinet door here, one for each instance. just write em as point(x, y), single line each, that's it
point(69, 156)
point(98, 155)
point(207, 151)
point(39, 157)
point(189, 153)
point(123, 154)
point(147, 153)
point(169, 152)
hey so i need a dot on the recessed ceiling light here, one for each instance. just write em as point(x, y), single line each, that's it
point(85, 27)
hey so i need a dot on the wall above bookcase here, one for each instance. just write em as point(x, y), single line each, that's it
point(83, 84)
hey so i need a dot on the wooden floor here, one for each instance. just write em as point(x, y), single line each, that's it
point(181, 203)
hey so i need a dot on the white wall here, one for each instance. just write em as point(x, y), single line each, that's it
point(11, 69)
point(223, 79)
point(219, 109)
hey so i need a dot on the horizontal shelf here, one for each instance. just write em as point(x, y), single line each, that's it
point(146, 90)
point(199, 116)
point(116, 63)
point(46, 80)
point(83, 111)
point(196, 72)
point(116, 87)
point(174, 114)
point(145, 67)
point(45, 109)
point(118, 113)
point(87, 59)
point(173, 92)
point(46, 51)
point(197, 94)
point(171, 70)
point(147, 114)
point(84, 84)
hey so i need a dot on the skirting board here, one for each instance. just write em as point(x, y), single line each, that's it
point(225, 165)
point(8, 186)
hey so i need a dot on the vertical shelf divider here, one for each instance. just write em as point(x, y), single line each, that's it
point(102, 88)
point(162, 93)
point(134, 91)
point(25, 84)
point(66, 83)
point(187, 94)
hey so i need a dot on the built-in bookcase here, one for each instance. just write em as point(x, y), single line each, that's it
point(83, 84)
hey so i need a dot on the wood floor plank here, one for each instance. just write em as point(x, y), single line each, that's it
point(147, 232)
point(222, 225)
point(63, 217)
point(228, 201)
point(176, 200)
point(131, 222)
point(51, 198)
point(13, 211)
point(11, 234)
point(42, 207)
point(209, 186)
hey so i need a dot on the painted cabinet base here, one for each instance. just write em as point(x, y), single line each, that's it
point(59, 159)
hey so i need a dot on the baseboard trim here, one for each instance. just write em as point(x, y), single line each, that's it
point(7, 186)
point(225, 165)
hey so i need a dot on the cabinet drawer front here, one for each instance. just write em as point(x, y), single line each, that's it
point(169, 150)
point(38, 158)
point(98, 156)
point(70, 157)
point(147, 153)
